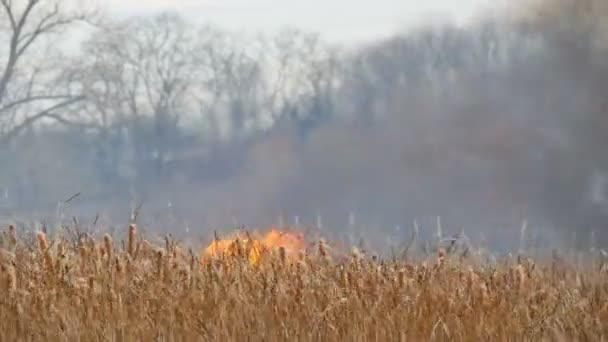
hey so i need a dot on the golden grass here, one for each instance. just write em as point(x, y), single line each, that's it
point(90, 290)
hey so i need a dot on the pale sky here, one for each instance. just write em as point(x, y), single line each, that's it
point(338, 20)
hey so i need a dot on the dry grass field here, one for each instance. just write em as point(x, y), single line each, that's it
point(262, 289)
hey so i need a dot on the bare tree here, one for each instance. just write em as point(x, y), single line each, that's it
point(25, 95)
point(302, 76)
point(230, 81)
point(137, 75)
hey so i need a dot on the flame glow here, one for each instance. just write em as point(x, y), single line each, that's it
point(255, 247)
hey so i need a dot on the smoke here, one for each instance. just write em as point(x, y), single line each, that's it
point(485, 126)
point(485, 142)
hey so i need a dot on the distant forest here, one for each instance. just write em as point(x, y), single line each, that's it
point(484, 125)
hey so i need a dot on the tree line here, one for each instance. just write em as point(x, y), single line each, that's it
point(493, 122)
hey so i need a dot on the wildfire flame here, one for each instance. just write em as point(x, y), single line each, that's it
point(255, 247)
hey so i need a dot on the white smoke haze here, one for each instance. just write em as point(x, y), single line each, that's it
point(486, 125)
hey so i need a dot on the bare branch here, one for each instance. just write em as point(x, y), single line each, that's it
point(46, 25)
point(14, 54)
point(27, 25)
point(33, 99)
point(47, 113)
point(7, 4)
point(22, 21)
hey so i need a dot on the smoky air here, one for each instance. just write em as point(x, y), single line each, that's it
point(482, 128)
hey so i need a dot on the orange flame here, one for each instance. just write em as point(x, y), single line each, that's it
point(256, 247)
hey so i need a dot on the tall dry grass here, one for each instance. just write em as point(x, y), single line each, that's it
point(96, 290)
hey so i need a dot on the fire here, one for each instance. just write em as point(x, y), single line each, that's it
point(255, 247)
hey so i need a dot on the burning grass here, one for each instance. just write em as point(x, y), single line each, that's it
point(254, 245)
point(87, 289)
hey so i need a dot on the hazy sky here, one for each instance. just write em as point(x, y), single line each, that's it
point(342, 20)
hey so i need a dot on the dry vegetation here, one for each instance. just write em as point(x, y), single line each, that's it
point(90, 290)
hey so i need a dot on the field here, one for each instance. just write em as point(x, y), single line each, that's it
point(260, 288)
